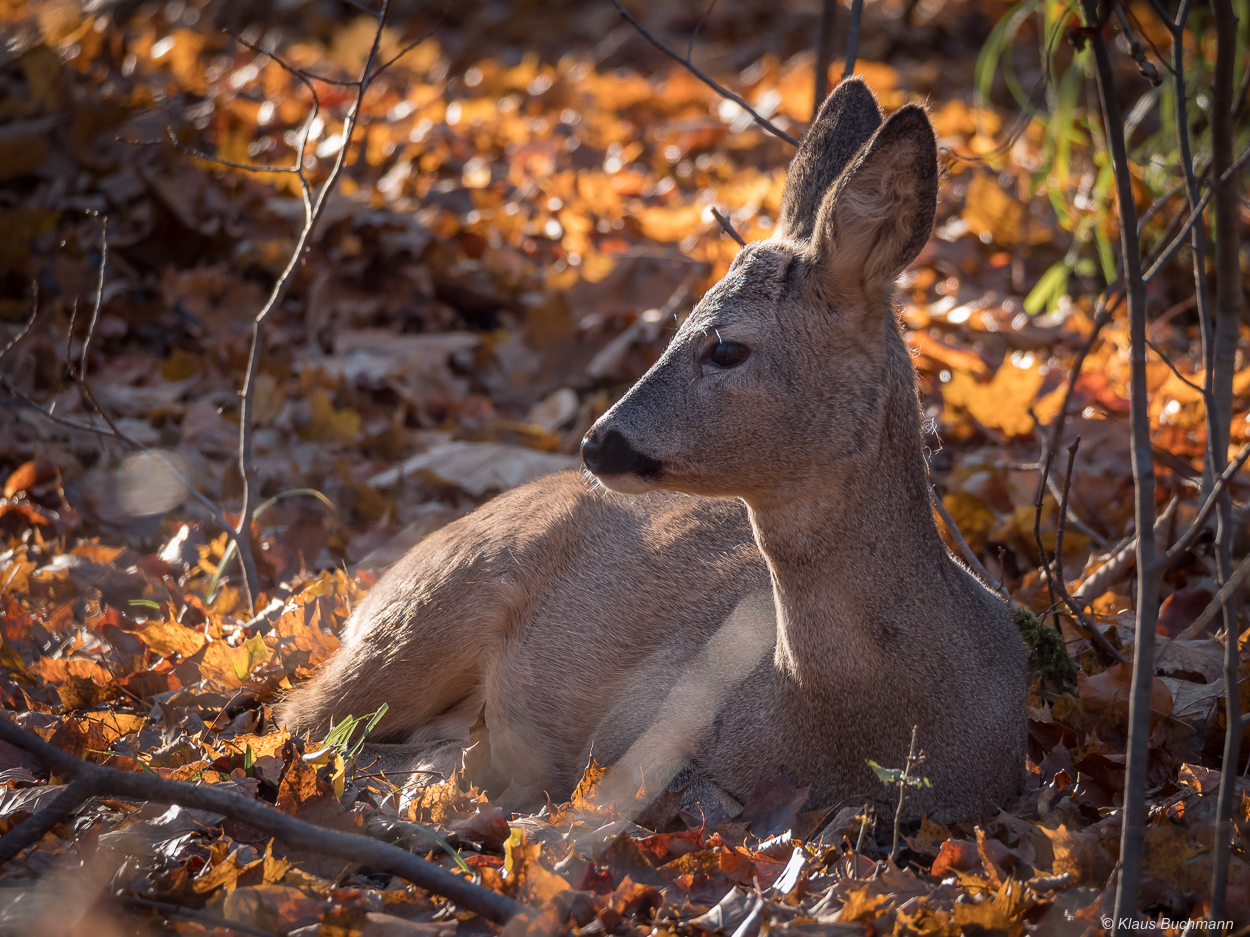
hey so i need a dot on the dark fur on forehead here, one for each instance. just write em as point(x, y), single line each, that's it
point(759, 274)
point(846, 121)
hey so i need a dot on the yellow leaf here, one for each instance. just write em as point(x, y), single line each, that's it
point(525, 876)
point(1002, 403)
point(229, 666)
point(262, 746)
point(670, 224)
point(169, 637)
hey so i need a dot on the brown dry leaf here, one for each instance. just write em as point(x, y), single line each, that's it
point(985, 917)
point(58, 670)
point(328, 424)
point(262, 746)
point(224, 873)
point(1003, 403)
point(437, 803)
point(28, 475)
point(1105, 696)
point(929, 838)
point(670, 224)
point(304, 788)
point(524, 875)
point(277, 908)
point(229, 666)
point(170, 637)
point(1080, 854)
point(861, 906)
point(989, 209)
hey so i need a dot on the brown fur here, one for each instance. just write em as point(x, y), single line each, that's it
point(785, 605)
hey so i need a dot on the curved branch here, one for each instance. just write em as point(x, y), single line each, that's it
point(711, 83)
point(97, 779)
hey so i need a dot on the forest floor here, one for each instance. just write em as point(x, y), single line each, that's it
point(525, 209)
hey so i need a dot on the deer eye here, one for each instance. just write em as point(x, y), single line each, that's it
point(728, 354)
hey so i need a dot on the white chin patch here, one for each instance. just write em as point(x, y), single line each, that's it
point(626, 484)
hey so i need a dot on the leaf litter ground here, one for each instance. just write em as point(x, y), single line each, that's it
point(527, 206)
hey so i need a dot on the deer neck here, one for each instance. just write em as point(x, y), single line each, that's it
point(852, 558)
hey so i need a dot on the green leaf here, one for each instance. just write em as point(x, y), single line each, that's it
point(1052, 285)
point(447, 847)
point(887, 776)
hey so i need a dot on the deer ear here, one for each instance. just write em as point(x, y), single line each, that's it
point(846, 121)
point(880, 214)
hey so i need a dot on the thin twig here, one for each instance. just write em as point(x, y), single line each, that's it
point(728, 228)
point(412, 45)
point(852, 38)
point(1038, 500)
point(1055, 577)
point(968, 554)
point(112, 431)
point(192, 914)
point(33, 828)
point(1221, 601)
point(99, 299)
point(695, 70)
point(296, 833)
point(247, 394)
point(1135, 50)
point(1185, 541)
point(1206, 396)
point(912, 758)
point(1063, 509)
point(1133, 829)
point(287, 66)
point(1194, 215)
point(1229, 301)
point(824, 53)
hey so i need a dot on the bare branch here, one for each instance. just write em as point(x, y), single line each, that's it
point(191, 914)
point(1194, 215)
point(694, 70)
point(1221, 601)
point(1063, 508)
point(1135, 50)
point(99, 299)
point(33, 828)
point(1038, 501)
point(97, 779)
point(852, 38)
point(1230, 304)
point(1133, 830)
point(1217, 489)
point(728, 228)
point(1172, 367)
point(209, 157)
point(300, 73)
point(25, 329)
point(247, 394)
point(824, 53)
point(1102, 315)
point(982, 573)
point(412, 45)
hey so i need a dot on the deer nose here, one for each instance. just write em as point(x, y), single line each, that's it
point(611, 453)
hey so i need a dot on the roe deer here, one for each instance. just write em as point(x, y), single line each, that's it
point(763, 587)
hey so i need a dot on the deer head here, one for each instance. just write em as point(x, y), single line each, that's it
point(791, 368)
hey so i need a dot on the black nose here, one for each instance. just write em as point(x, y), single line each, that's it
point(610, 453)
